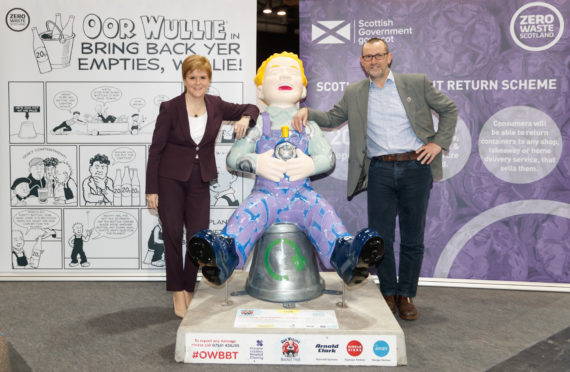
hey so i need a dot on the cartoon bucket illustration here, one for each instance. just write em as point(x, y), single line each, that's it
point(59, 48)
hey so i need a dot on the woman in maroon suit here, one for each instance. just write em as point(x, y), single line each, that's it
point(181, 163)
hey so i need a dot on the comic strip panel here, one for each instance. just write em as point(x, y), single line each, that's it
point(36, 239)
point(227, 189)
point(219, 218)
point(229, 92)
point(101, 239)
point(43, 176)
point(105, 112)
point(111, 175)
point(152, 243)
point(27, 112)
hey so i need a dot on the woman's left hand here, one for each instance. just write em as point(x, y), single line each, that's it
point(240, 126)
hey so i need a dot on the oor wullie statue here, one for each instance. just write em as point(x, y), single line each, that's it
point(282, 190)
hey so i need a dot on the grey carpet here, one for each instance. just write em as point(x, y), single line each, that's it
point(130, 326)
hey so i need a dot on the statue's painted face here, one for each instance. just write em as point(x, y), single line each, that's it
point(282, 83)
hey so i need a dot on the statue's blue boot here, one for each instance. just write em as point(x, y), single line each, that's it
point(215, 254)
point(352, 256)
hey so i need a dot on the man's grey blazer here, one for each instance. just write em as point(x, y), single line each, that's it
point(419, 98)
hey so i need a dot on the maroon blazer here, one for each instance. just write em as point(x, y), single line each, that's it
point(173, 151)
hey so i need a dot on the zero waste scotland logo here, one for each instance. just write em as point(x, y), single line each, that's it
point(536, 26)
point(17, 19)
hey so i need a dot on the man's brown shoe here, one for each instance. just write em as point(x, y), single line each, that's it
point(406, 308)
point(391, 301)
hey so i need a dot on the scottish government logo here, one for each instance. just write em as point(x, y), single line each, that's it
point(537, 26)
point(331, 32)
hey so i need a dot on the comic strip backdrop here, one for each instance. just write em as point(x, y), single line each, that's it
point(81, 87)
point(502, 210)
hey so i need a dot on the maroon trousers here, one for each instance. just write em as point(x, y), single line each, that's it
point(182, 204)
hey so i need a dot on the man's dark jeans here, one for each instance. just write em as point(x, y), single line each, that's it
point(399, 188)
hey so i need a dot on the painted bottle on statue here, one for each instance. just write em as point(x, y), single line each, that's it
point(284, 149)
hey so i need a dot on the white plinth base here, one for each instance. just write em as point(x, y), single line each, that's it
point(207, 333)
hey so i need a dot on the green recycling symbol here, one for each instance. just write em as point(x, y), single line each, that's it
point(297, 260)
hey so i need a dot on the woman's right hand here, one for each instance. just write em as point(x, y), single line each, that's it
point(152, 201)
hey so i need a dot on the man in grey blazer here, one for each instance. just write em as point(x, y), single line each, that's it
point(395, 153)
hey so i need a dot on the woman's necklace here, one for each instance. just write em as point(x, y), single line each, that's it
point(194, 110)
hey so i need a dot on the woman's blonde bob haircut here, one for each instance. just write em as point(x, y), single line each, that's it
point(196, 62)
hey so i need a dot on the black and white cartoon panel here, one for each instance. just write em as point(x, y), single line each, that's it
point(152, 243)
point(219, 218)
point(101, 239)
point(111, 175)
point(36, 239)
point(229, 92)
point(121, 112)
point(27, 112)
point(42, 176)
point(228, 189)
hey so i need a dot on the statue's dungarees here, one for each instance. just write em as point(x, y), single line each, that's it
point(284, 201)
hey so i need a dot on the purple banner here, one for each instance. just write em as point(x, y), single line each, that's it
point(502, 210)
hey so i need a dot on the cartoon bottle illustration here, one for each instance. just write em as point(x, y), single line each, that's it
point(284, 149)
point(67, 31)
point(36, 254)
point(126, 188)
point(135, 188)
point(117, 189)
point(56, 32)
point(40, 52)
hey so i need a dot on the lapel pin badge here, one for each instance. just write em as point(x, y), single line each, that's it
point(409, 99)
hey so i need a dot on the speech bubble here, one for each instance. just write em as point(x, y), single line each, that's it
point(106, 94)
point(114, 225)
point(159, 99)
point(137, 103)
point(35, 219)
point(65, 100)
point(123, 155)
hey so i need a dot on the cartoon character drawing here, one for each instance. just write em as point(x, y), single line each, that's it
point(223, 192)
point(20, 191)
point(36, 176)
point(18, 249)
point(137, 122)
point(102, 114)
point(76, 243)
point(98, 189)
point(64, 186)
point(66, 126)
point(49, 165)
point(283, 160)
point(155, 253)
point(18, 242)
